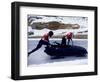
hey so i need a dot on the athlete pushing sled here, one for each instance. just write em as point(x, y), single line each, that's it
point(44, 41)
point(68, 36)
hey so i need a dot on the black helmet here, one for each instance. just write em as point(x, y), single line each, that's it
point(50, 33)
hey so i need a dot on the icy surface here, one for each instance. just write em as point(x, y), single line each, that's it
point(40, 57)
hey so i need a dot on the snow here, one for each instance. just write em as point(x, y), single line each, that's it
point(64, 19)
point(82, 21)
point(56, 32)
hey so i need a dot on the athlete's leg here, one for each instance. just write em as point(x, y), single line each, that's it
point(41, 42)
point(37, 47)
point(72, 42)
point(68, 41)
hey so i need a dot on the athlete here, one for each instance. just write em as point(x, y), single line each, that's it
point(44, 41)
point(69, 36)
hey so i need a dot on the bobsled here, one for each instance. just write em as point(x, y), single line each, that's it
point(68, 50)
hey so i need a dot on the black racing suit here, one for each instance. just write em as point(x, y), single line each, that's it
point(39, 45)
